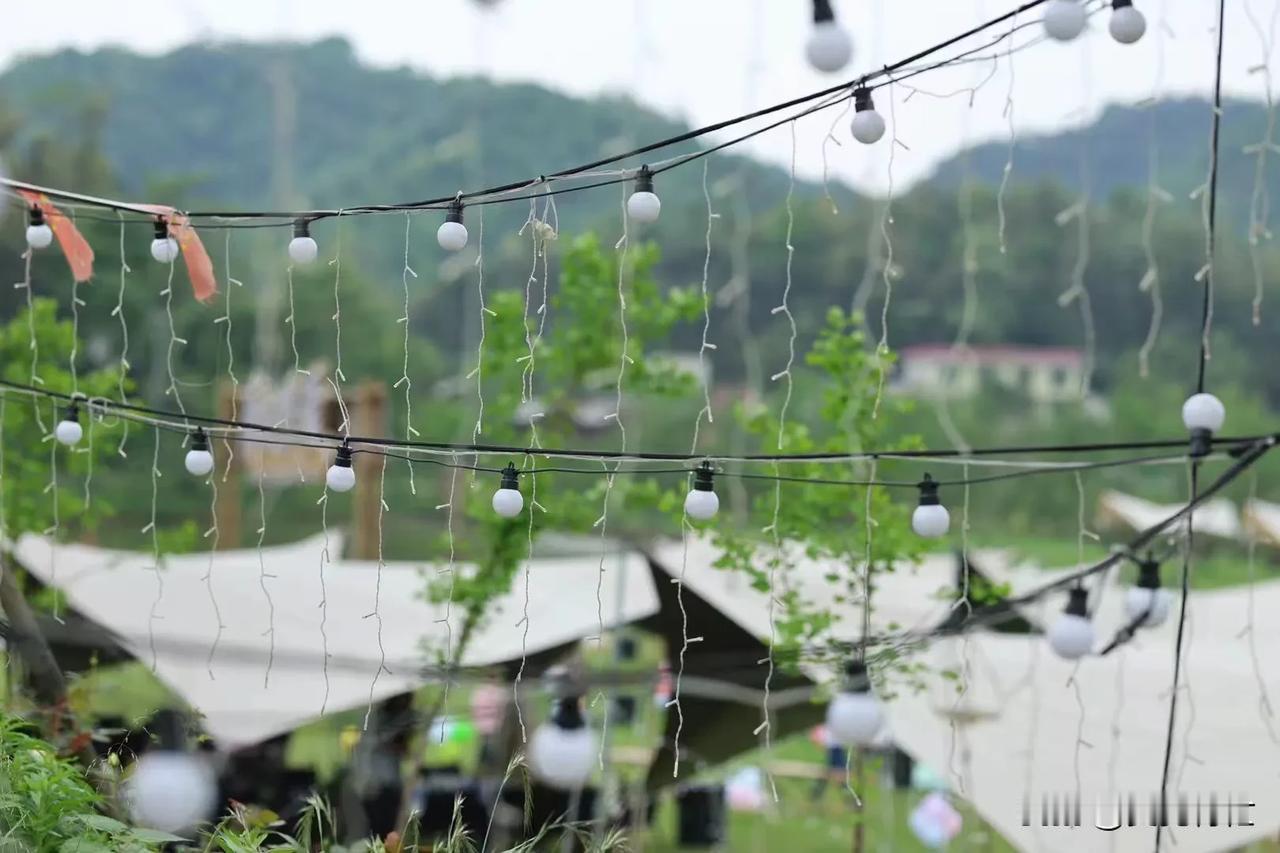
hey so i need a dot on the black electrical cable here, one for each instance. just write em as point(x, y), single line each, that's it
point(334, 440)
point(867, 79)
point(1205, 315)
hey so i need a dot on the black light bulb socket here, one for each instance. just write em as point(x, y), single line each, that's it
point(302, 228)
point(1148, 574)
point(822, 11)
point(1120, 4)
point(36, 215)
point(644, 180)
point(510, 477)
point(199, 441)
point(567, 714)
point(72, 412)
point(1078, 602)
point(343, 459)
point(862, 100)
point(704, 478)
point(856, 677)
point(161, 228)
point(454, 213)
point(1201, 443)
point(928, 491)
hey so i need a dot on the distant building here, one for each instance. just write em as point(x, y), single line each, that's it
point(1041, 374)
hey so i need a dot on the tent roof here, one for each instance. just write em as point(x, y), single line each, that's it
point(1023, 711)
point(1216, 517)
point(229, 684)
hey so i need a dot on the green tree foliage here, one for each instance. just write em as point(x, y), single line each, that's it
point(42, 480)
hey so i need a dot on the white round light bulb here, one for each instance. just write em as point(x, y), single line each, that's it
point(1071, 636)
point(1127, 25)
point(164, 250)
point(1203, 411)
point(39, 236)
point(171, 791)
point(931, 521)
point(563, 758)
point(700, 505)
point(508, 502)
point(644, 206)
point(1155, 603)
point(199, 462)
point(303, 250)
point(340, 478)
point(68, 432)
point(452, 236)
point(829, 47)
point(1064, 19)
point(867, 126)
point(854, 718)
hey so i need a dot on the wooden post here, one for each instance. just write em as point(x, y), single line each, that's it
point(369, 417)
point(227, 471)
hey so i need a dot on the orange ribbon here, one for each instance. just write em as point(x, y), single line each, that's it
point(75, 248)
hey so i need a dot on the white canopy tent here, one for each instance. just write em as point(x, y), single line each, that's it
point(229, 684)
point(1028, 724)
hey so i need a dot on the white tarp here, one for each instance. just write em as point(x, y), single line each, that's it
point(241, 706)
point(1216, 517)
point(1029, 724)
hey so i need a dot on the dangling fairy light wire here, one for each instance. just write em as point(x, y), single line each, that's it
point(409, 432)
point(155, 548)
point(1077, 291)
point(213, 534)
point(376, 613)
point(774, 528)
point(263, 577)
point(118, 311)
point(1266, 712)
point(1260, 198)
point(1007, 172)
point(172, 389)
point(1150, 281)
point(887, 270)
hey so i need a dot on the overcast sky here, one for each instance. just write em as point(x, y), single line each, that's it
point(705, 60)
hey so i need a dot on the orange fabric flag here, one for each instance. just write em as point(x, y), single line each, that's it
point(75, 248)
point(199, 266)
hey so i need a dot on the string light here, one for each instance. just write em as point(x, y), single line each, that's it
point(701, 503)
point(1203, 414)
point(644, 205)
point(39, 234)
point(452, 234)
point(341, 477)
point(507, 500)
point(163, 247)
point(930, 518)
point(1071, 636)
point(1127, 24)
point(199, 460)
point(303, 248)
point(170, 791)
point(69, 431)
point(562, 751)
point(829, 47)
point(1064, 19)
point(868, 125)
point(855, 715)
point(1147, 600)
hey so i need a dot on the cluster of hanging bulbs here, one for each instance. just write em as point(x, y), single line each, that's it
point(1064, 20)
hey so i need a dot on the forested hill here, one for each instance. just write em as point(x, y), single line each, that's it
point(1115, 152)
point(259, 125)
point(251, 125)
